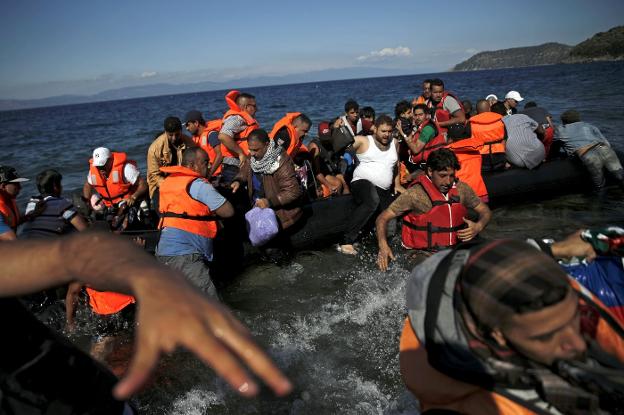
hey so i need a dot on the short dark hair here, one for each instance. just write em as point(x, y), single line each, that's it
point(367, 112)
point(499, 108)
point(384, 119)
point(46, 180)
point(302, 118)
point(401, 107)
point(421, 107)
point(351, 105)
point(427, 81)
point(259, 135)
point(570, 116)
point(172, 124)
point(442, 159)
point(243, 95)
point(189, 155)
point(437, 82)
point(482, 104)
point(530, 104)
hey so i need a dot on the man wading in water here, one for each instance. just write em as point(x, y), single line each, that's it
point(372, 179)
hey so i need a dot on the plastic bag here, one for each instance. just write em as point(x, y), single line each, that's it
point(262, 225)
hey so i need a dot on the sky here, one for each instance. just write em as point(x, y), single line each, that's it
point(58, 47)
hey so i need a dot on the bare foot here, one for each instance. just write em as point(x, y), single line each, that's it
point(347, 249)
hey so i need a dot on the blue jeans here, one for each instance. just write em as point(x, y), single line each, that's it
point(599, 158)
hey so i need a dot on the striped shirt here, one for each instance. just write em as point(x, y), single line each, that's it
point(233, 125)
point(523, 148)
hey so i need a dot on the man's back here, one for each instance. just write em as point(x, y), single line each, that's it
point(577, 135)
point(523, 148)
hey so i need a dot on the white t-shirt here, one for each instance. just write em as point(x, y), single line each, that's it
point(131, 174)
point(376, 166)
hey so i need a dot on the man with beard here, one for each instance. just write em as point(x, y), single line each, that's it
point(271, 183)
point(501, 329)
point(446, 108)
point(435, 210)
point(372, 179)
point(166, 150)
point(426, 93)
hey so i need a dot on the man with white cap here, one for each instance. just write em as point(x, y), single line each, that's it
point(10, 186)
point(511, 101)
point(115, 178)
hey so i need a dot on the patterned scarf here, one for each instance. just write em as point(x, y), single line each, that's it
point(269, 163)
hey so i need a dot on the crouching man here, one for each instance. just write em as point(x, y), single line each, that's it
point(501, 329)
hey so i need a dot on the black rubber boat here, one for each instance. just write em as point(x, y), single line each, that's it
point(324, 221)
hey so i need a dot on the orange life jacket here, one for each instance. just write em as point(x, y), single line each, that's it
point(251, 122)
point(8, 209)
point(489, 128)
point(468, 154)
point(436, 229)
point(440, 114)
point(451, 394)
point(108, 302)
point(202, 141)
point(438, 141)
point(286, 122)
point(178, 209)
point(114, 189)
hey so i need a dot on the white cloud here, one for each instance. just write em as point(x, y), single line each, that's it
point(147, 74)
point(471, 51)
point(385, 54)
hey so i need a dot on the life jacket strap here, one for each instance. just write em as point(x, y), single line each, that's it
point(206, 218)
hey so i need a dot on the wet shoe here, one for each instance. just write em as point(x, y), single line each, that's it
point(346, 249)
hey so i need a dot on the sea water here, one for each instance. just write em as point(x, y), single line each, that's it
point(331, 322)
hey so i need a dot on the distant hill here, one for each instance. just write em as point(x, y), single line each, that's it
point(546, 54)
point(602, 46)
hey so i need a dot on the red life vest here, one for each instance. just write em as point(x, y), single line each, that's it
point(468, 154)
point(489, 128)
point(8, 209)
point(108, 302)
point(287, 122)
point(114, 189)
point(202, 141)
point(178, 209)
point(438, 141)
point(251, 122)
point(436, 229)
point(440, 114)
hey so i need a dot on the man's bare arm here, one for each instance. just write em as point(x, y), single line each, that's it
point(458, 117)
point(171, 312)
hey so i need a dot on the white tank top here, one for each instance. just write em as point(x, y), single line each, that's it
point(376, 166)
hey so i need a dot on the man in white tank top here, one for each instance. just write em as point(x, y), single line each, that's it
point(372, 180)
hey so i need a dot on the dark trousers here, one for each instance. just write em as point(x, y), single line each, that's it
point(228, 173)
point(368, 200)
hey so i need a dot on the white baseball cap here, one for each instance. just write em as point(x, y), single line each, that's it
point(514, 95)
point(491, 96)
point(101, 156)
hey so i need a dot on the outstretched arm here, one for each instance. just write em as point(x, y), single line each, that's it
point(171, 312)
point(385, 253)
